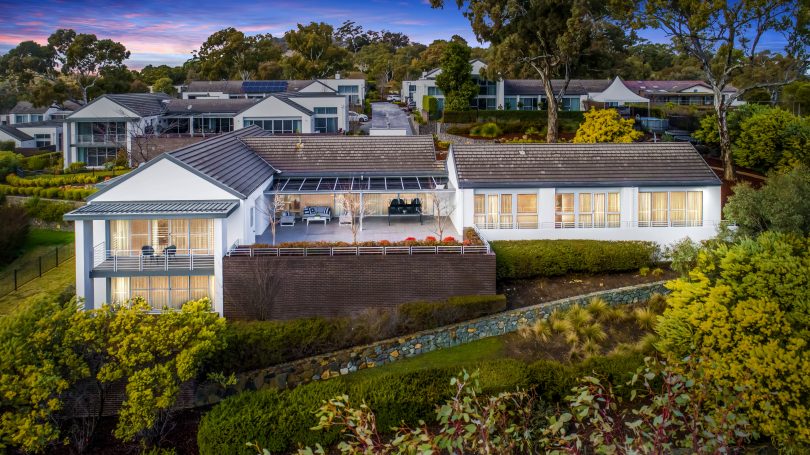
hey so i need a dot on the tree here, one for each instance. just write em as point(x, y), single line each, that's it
point(27, 62)
point(725, 37)
point(376, 60)
point(354, 207)
point(230, 53)
point(83, 56)
point(272, 209)
point(606, 125)
point(539, 37)
point(742, 314)
point(773, 139)
point(455, 79)
point(164, 85)
point(781, 205)
point(443, 208)
point(315, 52)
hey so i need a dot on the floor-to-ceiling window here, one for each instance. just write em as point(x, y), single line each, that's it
point(96, 156)
point(506, 211)
point(276, 126)
point(586, 209)
point(188, 236)
point(162, 291)
point(326, 120)
point(670, 208)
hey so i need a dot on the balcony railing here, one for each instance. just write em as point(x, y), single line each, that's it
point(360, 250)
point(606, 225)
point(105, 260)
point(101, 138)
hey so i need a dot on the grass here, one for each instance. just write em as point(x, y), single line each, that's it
point(47, 237)
point(485, 349)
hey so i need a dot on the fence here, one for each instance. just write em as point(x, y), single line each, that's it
point(23, 273)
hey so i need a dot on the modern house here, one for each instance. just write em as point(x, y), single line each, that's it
point(20, 139)
point(44, 124)
point(692, 93)
point(137, 122)
point(354, 89)
point(164, 230)
point(659, 192)
point(487, 97)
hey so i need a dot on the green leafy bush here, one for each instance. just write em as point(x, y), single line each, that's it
point(488, 130)
point(9, 161)
point(533, 258)
point(47, 210)
point(421, 315)
point(683, 255)
point(431, 105)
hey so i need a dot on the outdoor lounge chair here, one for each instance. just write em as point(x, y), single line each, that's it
point(319, 213)
point(346, 219)
point(287, 219)
point(147, 251)
point(170, 250)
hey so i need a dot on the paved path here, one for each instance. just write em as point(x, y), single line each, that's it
point(389, 116)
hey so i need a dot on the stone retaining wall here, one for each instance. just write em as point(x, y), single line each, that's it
point(383, 352)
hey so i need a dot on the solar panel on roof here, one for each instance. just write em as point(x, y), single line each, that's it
point(264, 86)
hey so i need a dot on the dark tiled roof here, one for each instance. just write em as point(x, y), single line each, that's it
point(206, 106)
point(533, 87)
point(25, 107)
point(228, 161)
point(15, 133)
point(349, 155)
point(147, 209)
point(568, 165)
point(143, 104)
point(660, 87)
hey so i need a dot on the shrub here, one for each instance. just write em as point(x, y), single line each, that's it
point(533, 258)
point(9, 161)
point(47, 210)
point(416, 316)
point(13, 231)
point(77, 166)
point(551, 380)
point(488, 130)
point(683, 255)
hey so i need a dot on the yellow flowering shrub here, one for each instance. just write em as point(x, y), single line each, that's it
point(606, 125)
point(744, 312)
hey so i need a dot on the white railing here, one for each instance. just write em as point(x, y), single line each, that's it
point(139, 260)
point(605, 225)
point(101, 138)
point(360, 250)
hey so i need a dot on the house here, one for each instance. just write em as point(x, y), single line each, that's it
point(138, 122)
point(44, 124)
point(487, 97)
point(20, 139)
point(659, 192)
point(692, 93)
point(164, 231)
point(354, 89)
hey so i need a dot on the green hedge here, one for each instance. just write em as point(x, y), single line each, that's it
point(534, 258)
point(47, 210)
point(53, 181)
point(74, 194)
point(252, 345)
point(431, 105)
point(501, 116)
point(279, 421)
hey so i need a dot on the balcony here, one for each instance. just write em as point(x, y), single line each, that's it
point(101, 138)
point(155, 262)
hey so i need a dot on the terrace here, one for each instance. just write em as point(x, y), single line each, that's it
point(374, 229)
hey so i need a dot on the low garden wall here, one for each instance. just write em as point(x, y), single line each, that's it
point(377, 354)
point(332, 286)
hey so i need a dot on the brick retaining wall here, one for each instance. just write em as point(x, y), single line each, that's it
point(331, 286)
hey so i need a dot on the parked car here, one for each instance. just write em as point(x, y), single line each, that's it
point(393, 98)
point(355, 117)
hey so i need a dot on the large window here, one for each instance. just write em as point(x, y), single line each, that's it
point(434, 91)
point(352, 91)
point(43, 140)
point(326, 120)
point(212, 125)
point(162, 291)
point(188, 236)
point(97, 156)
point(587, 210)
point(497, 211)
point(276, 126)
point(20, 118)
point(527, 104)
point(36, 117)
point(673, 208)
point(570, 104)
point(101, 132)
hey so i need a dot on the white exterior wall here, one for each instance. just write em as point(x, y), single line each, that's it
point(54, 132)
point(359, 83)
point(17, 143)
point(272, 108)
point(102, 109)
point(340, 102)
point(629, 216)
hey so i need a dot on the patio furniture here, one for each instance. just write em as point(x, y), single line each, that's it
point(399, 207)
point(170, 250)
point(346, 219)
point(318, 213)
point(147, 251)
point(316, 219)
point(287, 219)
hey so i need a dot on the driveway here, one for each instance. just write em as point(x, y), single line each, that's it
point(388, 119)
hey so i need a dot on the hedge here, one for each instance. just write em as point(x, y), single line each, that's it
point(47, 210)
point(279, 420)
point(54, 181)
point(535, 258)
point(431, 105)
point(75, 194)
point(252, 345)
point(501, 116)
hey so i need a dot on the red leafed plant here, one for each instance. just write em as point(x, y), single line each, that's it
point(410, 239)
point(430, 238)
point(449, 239)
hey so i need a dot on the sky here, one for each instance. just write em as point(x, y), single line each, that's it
point(167, 31)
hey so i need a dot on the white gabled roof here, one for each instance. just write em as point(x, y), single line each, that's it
point(617, 92)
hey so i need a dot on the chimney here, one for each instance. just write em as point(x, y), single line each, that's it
point(337, 76)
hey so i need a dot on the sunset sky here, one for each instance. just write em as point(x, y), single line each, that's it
point(158, 32)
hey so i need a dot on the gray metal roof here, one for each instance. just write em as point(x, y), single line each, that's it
point(44, 123)
point(151, 209)
point(344, 156)
point(208, 106)
point(227, 161)
point(15, 133)
point(143, 104)
point(571, 165)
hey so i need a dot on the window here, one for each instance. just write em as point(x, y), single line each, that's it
point(325, 110)
point(276, 126)
point(212, 125)
point(326, 125)
point(588, 210)
point(510, 103)
point(570, 104)
point(195, 236)
point(101, 132)
point(19, 118)
point(36, 117)
point(434, 91)
point(527, 104)
point(527, 211)
point(675, 208)
point(43, 140)
point(251, 216)
point(352, 91)
point(162, 291)
point(97, 156)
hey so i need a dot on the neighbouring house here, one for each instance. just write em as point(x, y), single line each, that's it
point(691, 93)
point(20, 139)
point(354, 89)
point(44, 124)
point(143, 123)
point(659, 192)
point(192, 222)
point(487, 97)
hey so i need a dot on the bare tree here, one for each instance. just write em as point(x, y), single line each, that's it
point(443, 207)
point(260, 285)
point(272, 208)
point(353, 206)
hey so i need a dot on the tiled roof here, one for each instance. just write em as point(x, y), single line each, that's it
point(533, 87)
point(143, 104)
point(228, 161)
point(570, 165)
point(25, 107)
point(206, 106)
point(215, 86)
point(348, 155)
point(44, 123)
point(151, 209)
point(15, 133)
point(653, 87)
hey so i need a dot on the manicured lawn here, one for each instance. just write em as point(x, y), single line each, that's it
point(51, 284)
point(486, 349)
point(47, 237)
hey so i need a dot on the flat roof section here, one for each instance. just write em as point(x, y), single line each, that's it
point(387, 119)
